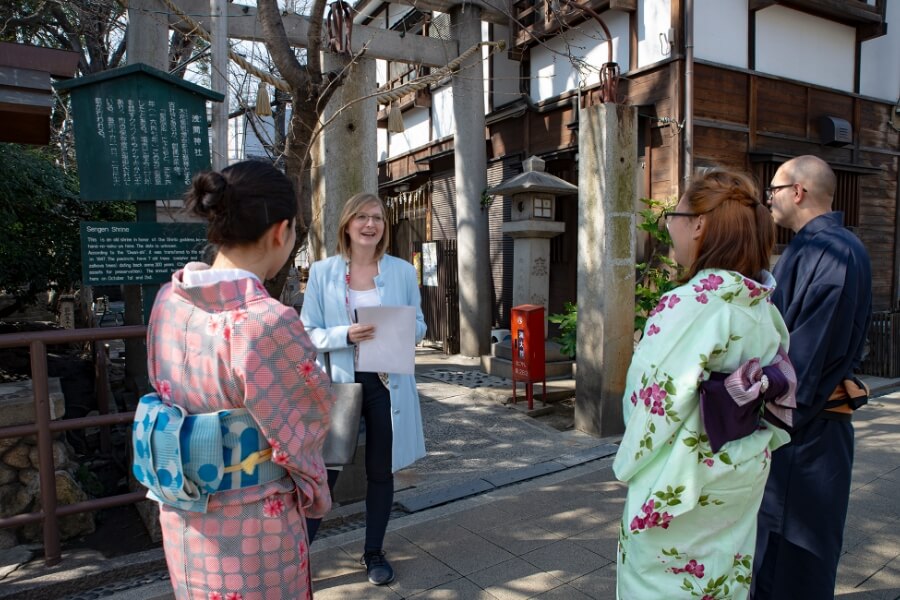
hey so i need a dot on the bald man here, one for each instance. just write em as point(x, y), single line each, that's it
point(824, 294)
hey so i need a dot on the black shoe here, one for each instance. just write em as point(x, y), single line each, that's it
point(377, 567)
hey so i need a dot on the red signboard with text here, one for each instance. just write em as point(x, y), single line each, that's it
point(528, 343)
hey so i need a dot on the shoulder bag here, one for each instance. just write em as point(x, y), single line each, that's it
point(341, 441)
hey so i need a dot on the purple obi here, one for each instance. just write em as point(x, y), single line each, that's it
point(732, 404)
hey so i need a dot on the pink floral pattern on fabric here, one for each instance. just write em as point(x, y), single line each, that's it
point(689, 510)
point(214, 325)
point(229, 345)
point(307, 368)
point(651, 517)
point(691, 567)
point(732, 583)
point(164, 389)
point(273, 507)
point(655, 397)
point(280, 458)
point(709, 284)
point(753, 287)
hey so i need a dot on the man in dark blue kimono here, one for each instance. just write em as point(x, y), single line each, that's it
point(825, 295)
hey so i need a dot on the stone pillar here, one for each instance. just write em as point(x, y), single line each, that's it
point(607, 148)
point(531, 260)
point(148, 43)
point(148, 33)
point(219, 79)
point(346, 154)
point(472, 233)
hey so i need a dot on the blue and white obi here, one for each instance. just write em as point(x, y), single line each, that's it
point(182, 459)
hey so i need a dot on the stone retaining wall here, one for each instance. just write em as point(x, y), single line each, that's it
point(19, 466)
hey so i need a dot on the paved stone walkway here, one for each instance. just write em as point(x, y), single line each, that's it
point(505, 507)
point(555, 537)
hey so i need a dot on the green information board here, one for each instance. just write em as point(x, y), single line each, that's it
point(138, 253)
point(140, 133)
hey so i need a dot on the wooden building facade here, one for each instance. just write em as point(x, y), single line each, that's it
point(722, 106)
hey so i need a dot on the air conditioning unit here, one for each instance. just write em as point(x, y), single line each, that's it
point(836, 131)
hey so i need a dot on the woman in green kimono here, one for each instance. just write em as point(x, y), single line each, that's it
point(709, 381)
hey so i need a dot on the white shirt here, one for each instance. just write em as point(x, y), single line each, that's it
point(363, 298)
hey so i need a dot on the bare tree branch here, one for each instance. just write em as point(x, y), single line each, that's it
point(279, 47)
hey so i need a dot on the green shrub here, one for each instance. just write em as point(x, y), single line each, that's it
point(652, 280)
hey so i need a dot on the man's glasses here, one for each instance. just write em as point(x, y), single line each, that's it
point(363, 218)
point(770, 191)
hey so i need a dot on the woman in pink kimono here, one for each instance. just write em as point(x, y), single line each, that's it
point(231, 442)
point(707, 391)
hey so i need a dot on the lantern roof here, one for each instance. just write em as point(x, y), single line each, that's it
point(533, 180)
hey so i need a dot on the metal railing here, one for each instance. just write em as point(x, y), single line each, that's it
point(44, 427)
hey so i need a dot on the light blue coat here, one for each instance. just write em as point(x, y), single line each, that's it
point(324, 314)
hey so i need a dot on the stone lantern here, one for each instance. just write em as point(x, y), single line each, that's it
point(531, 226)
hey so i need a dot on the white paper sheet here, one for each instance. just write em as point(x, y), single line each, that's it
point(393, 349)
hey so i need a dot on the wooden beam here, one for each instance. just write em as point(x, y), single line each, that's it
point(23, 97)
point(623, 5)
point(492, 11)
point(848, 12)
point(243, 24)
point(25, 78)
point(59, 63)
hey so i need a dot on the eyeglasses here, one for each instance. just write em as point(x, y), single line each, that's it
point(674, 213)
point(770, 191)
point(666, 214)
point(363, 218)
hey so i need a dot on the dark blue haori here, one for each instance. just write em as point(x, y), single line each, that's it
point(824, 294)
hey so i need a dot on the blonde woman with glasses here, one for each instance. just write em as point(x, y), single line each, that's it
point(360, 275)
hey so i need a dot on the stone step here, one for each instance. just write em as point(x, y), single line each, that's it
point(502, 367)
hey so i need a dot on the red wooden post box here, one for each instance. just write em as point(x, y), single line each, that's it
point(528, 349)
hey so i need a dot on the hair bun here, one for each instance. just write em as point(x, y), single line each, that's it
point(209, 190)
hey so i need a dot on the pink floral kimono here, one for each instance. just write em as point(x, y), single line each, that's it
point(223, 343)
point(689, 525)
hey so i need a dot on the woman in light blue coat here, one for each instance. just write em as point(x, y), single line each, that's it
point(360, 275)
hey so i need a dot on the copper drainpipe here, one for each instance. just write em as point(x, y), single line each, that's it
point(609, 73)
point(688, 132)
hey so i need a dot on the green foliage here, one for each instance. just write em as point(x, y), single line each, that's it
point(39, 223)
point(567, 320)
point(653, 278)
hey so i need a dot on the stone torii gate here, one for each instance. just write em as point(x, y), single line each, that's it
point(347, 157)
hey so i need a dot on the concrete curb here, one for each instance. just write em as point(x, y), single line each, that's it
point(80, 570)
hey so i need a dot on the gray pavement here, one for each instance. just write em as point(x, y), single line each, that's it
point(505, 507)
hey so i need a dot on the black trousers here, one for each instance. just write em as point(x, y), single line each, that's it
point(379, 455)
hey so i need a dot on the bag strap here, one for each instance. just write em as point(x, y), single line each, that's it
point(327, 360)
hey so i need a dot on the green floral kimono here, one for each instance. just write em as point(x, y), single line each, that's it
point(689, 526)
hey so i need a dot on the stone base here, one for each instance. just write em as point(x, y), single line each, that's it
point(499, 362)
point(17, 402)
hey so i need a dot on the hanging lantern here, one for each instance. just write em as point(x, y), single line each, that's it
point(263, 104)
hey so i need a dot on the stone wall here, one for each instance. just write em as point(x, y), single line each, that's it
point(19, 465)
